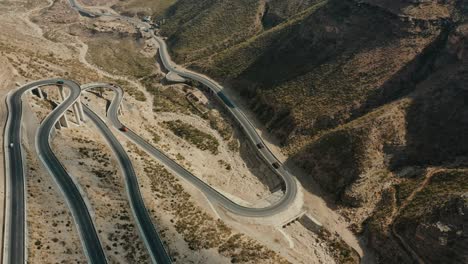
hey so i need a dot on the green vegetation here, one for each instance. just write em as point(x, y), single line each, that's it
point(170, 99)
point(218, 123)
point(119, 55)
point(281, 10)
point(210, 26)
point(154, 8)
point(334, 55)
point(44, 103)
point(123, 227)
point(233, 145)
point(406, 187)
point(310, 75)
point(179, 157)
point(131, 90)
point(443, 187)
point(95, 154)
point(341, 252)
point(346, 147)
point(135, 93)
point(234, 60)
point(199, 230)
point(245, 251)
point(226, 165)
point(194, 136)
point(425, 208)
point(154, 134)
point(378, 222)
point(173, 99)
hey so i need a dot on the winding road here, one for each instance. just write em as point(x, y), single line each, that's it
point(290, 183)
point(147, 230)
point(14, 238)
point(14, 246)
point(212, 194)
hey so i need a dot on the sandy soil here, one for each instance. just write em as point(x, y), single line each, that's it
point(315, 202)
point(238, 181)
point(27, 55)
point(6, 72)
point(175, 241)
point(268, 235)
point(308, 246)
point(87, 157)
point(8, 75)
point(52, 235)
point(90, 162)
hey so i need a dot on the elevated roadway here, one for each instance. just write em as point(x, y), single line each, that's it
point(290, 183)
point(14, 238)
point(147, 230)
point(212, 193)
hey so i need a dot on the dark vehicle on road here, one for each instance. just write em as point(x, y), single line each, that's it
point(276, 165)
point(260, 146)
point(123, 129)
point(60, 82)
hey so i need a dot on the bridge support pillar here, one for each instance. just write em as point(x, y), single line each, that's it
point(39, 92)
point(64, 121)
point(80, 110)
point(76, 112)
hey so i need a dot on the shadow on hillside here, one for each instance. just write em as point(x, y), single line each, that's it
point(437, 124)
point(337, 159)
point(407, 78)
point(436, 131)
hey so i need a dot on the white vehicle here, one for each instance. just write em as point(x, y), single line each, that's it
point(11, 145)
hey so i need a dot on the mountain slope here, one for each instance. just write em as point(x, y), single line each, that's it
point(200, 28)
point(367, 97)
point(334, 54)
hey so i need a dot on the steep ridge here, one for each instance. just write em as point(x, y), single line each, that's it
point(327, 49)
point(199, 28)
point(366, 97)
point(278, 11)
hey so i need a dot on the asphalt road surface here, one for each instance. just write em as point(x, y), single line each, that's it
point(249, 129)
point(212, 194)
point(290, 183)
point(14, 251)
point(149, 234)
point(15, 235)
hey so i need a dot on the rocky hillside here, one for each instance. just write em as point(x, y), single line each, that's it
point(199, 28)
point(369, 97)
point(321, 58)
point(140, 8)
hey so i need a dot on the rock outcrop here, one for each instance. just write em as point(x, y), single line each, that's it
point(367, 97)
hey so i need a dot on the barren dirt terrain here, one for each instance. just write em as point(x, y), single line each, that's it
point(52, 233)
point(40, 40)
point(365, 97)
